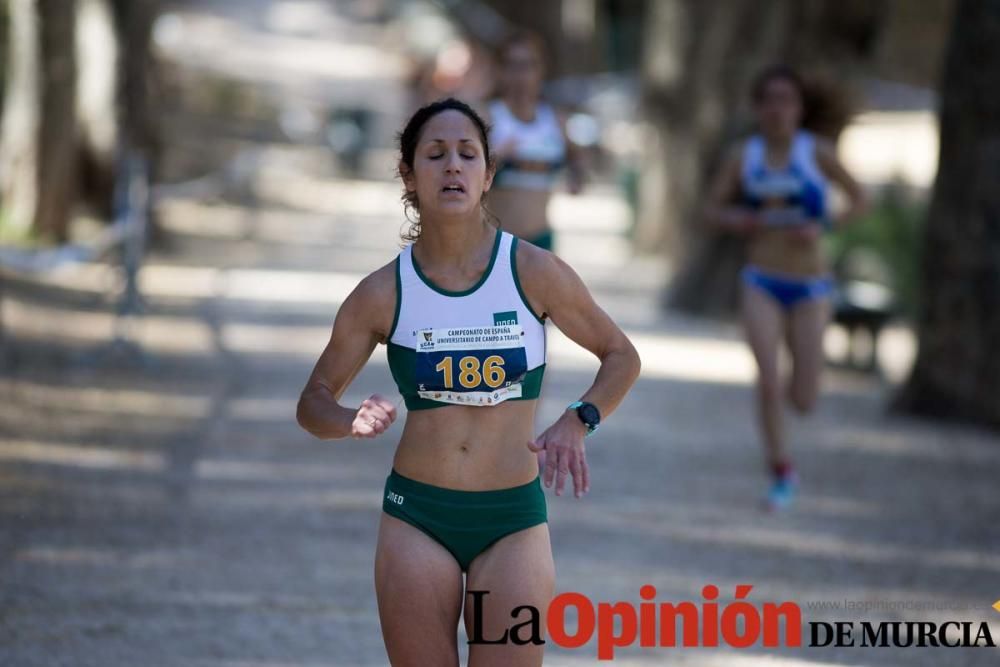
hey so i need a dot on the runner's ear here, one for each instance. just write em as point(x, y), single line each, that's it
point(406, 174)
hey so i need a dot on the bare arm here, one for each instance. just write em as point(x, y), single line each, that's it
point(826, 158)
point(553, 288)
point(566, 300)
point(576, 176)
point(719, 211)
point(502, 150)
point(362, 322)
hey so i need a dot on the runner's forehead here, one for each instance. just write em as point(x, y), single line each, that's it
point(779, 88)
point(450, 127)
point(521, 53)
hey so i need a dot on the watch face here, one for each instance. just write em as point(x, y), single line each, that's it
point(589, 414)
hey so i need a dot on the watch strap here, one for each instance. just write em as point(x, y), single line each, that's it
point(574, 406)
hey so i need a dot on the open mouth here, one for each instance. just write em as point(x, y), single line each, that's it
point(453, 188)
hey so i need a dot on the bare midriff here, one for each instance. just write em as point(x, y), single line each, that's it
point(469, 448)
point(779, 251)
point(521, 212)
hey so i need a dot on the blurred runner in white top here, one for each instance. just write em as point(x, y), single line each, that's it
point(531, 144)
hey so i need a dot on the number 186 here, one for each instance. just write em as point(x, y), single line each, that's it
point(470, 374)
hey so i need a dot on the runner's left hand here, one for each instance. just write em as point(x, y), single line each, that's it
point(561, 448)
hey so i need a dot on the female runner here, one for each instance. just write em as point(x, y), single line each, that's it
point(773, 188)
point(461, 311)
point(530, 143)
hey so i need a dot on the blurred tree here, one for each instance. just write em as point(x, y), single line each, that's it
point(566, 26)
point(57, 143)
point(38, 136)
point(697, 64)
point(19, 130)
point(957, 372)
point(4, 41)
point(57, 147)
point(134, 27)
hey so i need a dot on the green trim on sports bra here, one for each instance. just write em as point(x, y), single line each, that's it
point(466, 292)
point(399, 301)
point(517, 281)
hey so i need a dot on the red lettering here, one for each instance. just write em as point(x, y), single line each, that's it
point(607, 640)
point(556, 620)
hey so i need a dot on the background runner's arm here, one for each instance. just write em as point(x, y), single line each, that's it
point(719, 210)
point(575, 172)
point(826, 158)
point(356, 331)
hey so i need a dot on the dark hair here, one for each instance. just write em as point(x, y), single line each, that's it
point(408, 139)
point(776, 72)
point(826, 105)
point(523, 36)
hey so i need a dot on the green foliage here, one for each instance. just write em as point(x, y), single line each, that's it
point(628, 182)
point(16, 236)
point(892, 232)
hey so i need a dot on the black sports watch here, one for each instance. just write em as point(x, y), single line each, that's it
point(588, 414)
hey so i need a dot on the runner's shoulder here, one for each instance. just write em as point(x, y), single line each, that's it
point(374, 295)
point(534, 263)
point(541, 271)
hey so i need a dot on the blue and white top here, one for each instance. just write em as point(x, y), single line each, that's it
point(794, 194)
point(540, 150)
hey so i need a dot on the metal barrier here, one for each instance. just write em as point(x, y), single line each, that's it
point(127, 232)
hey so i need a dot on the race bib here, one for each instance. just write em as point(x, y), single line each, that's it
point(471, 365)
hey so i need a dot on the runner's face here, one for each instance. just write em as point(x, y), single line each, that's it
point(779, 109)
point(449, 166)
point(521, 70)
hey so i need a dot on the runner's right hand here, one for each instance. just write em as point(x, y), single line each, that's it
point(374, 417)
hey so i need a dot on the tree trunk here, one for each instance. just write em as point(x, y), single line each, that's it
point(62, 123)
point(137, 119)
point(957, 371)
point(57, 149)
point(38, 173)
point(19, 132)
point(97, 104)
point(134, 27)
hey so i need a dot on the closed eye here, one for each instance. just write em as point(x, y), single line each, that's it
point(466, 156)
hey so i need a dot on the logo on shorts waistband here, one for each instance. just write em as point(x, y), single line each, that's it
point(395, 498)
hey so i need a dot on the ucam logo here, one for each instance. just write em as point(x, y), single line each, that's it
point(505, 318)
point(426, 339)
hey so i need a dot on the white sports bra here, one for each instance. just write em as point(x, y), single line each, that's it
point(478, 347)
point(539, 142)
